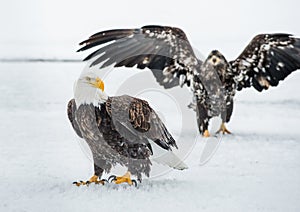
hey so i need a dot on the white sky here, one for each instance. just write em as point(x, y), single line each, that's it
point(53, 28)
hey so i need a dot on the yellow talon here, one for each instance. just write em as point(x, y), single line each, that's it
point(206, 134)
point(223, 129)
point(93, 179)
point(124, 179)
point(80, 183)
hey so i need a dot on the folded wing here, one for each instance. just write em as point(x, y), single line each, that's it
point(134, 117)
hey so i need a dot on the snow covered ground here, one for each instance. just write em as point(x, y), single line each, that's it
point(255, 169)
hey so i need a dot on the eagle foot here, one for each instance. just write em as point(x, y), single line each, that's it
point(126, 178)
point(206, 134)
point(93, 179)
point(223, 129)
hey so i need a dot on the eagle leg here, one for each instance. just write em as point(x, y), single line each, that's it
point(93, 179)
point(223, 129)
point(126, 178)
point(206, 134)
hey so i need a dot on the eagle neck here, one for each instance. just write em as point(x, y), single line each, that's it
point(85, 94)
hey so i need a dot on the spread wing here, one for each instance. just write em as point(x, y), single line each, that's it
point(71, 115)
point(164, 50)
point(267, 59)
point(135, 116)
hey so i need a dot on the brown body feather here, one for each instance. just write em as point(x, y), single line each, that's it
point(118, 132)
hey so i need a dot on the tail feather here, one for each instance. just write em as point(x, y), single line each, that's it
point(166, 157)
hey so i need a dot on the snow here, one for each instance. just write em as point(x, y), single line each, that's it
point(255, 169)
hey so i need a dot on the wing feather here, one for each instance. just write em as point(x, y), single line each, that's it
point(268, 59)
point(71, 109)
point(135, 116)
point(104, 37)
point(161, 48)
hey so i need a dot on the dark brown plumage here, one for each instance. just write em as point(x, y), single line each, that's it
point(118, 130)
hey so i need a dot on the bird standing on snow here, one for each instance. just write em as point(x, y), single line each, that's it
point(267, 59)
point(119, 130)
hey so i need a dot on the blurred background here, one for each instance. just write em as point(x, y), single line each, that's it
point(53, 28)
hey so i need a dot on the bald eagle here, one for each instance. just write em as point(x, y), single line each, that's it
point(119, 130)
point(166, 51)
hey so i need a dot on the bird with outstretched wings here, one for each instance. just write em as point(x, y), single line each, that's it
point(166, 51)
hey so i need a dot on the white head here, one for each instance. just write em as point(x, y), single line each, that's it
point(89, 89)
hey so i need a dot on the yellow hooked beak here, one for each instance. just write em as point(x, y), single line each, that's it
point(98, 83)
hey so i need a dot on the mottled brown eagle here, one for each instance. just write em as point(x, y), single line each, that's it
point(119, 130)
point(166, 51)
